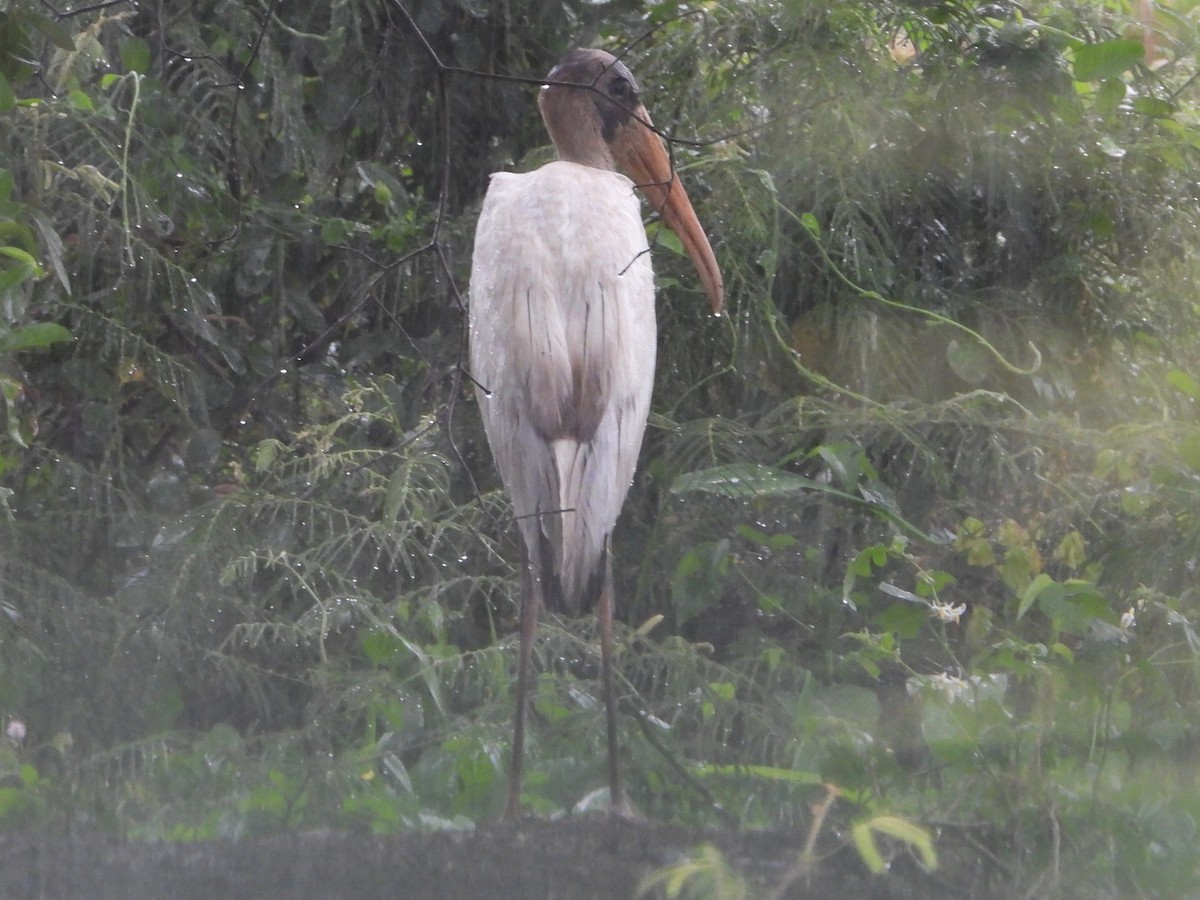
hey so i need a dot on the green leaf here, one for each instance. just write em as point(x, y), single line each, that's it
point(54, 248)
point(36, 336)
point(1153, 107)
point(975, 545)
point(1071, 605)
point(661, 236)
point(1182, 381)
point(765, 539)
point(1109, 95)
point(744, 481)
point(265, 453)
point(135, 55)
point(8, 100)
point(80, 100)
point(893, 826)
point(905, 620)
point(22, 256)
point(1107, 59)
point(1072, 550)
point(767, 773)
point(1135, 501)
point(11, 277)
point(380, 646)
point(1036, 588)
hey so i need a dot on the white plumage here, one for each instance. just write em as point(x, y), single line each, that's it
point(563, 343)
point(562, 339)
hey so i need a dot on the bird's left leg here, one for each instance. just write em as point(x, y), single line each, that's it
point(531, 600)
point(604, 615)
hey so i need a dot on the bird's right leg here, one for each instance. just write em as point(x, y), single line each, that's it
point(531, 599)
point(604, 616)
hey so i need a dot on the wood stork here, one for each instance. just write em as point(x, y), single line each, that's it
point(562, 336)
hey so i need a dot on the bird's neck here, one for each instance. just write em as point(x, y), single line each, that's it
point(575, 128)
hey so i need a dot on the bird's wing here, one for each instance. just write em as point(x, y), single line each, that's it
point(563, 342)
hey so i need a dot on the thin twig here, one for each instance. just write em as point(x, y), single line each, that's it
point(86, 9)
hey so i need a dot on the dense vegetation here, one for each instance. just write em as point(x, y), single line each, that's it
point(920, 514)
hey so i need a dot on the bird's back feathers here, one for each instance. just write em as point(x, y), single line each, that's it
point(563, 344)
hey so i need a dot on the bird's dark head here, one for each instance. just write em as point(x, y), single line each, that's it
point(590, 98)
point(593, 110)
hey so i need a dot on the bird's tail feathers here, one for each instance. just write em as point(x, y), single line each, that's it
point(571, 584)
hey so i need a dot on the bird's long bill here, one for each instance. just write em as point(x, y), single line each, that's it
point(641, 153)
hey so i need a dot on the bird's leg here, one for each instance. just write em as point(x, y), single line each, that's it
point(604, 615)
point(530, 601)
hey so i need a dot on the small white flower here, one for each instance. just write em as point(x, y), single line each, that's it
point(15, 730)
point(1128, 619)
point(951, 685)
point(944, 612)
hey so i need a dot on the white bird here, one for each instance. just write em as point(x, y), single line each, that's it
point(562, 335)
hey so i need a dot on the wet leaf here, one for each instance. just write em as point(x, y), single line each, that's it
point(1107, 59)
point(1183, 381)
point(135, 55)
point(901, 829)
point(35, 337)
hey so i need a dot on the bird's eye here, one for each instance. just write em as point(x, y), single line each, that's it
point(621, 89)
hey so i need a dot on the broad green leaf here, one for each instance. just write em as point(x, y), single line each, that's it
point(380, 646)
point(904, 620)
point(11, 277)
point(1183, 381)
point(1109, 95)
point(745, 481)
point(36, 336)
point(1107, 59)
point(661, 236)
point(80, 100)
point(1154, 107)
point(1036, 588)
point(135, 55)
point(901, 829)
point(1189, 449)
point(1072, 550)
point(723, 689)
point(763, 538)
point(22, 256)
point(1136, 500)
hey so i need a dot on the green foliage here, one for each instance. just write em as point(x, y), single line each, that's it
point(918, 517)
point(706, 874)
point(865, 840)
